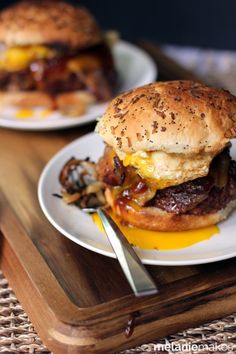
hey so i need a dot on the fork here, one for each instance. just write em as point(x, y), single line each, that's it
point(139, 279)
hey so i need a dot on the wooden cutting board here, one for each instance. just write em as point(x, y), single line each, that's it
point(78, 300)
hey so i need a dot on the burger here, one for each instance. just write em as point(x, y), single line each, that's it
point(166, 164)
point(53, 54)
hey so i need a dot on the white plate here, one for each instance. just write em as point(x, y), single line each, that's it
point(79, 227)
point(135, 68)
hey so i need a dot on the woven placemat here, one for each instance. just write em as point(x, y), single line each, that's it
point(17, 335)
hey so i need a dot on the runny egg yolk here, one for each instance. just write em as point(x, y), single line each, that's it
point(157, 240)
point(24, 113)
point(145, 167)
point(18, 58)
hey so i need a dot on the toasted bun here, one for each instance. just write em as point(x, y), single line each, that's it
point(72, 103)
point(48, 22)
point(174, 117)
point(159, 220)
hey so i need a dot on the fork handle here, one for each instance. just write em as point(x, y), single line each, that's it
point(139, 279)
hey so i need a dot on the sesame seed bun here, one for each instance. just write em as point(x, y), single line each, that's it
point(174, 117)
point(151, 218)
point(48, 22)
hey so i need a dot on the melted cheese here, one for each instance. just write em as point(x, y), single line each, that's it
point(18, 58)
point(168, 169)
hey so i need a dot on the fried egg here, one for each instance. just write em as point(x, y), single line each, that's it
point(167, 169)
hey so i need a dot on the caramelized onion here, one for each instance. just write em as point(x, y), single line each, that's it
point(95, 187)
point(70, 198)
point(79, 184)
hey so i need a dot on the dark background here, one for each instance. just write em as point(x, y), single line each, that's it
point(205, 23)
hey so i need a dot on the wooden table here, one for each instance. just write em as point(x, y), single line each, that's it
point(78, 300)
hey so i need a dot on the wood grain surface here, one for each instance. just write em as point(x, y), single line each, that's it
point(79, 301)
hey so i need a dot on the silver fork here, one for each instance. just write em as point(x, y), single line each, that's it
point(139, 279)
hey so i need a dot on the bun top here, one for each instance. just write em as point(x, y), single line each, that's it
point(174, 117)
point(48, 22)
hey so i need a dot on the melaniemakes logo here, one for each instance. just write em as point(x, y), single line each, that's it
point(194, 347)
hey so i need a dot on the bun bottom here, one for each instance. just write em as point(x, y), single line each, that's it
point(71, 103)
point(156, 219)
